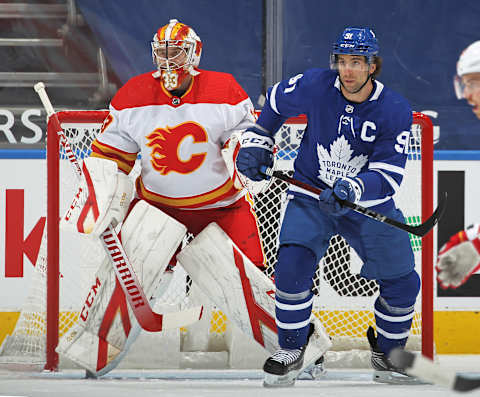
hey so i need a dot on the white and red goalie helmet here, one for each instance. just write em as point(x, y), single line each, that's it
point(176, 51)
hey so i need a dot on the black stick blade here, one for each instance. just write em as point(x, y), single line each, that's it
point(424, 228)
point(464, 383)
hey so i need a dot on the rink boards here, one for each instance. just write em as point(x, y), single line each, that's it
point(456, 317)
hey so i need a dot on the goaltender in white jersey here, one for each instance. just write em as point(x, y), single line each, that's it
point(179, 136)
point(178, 122)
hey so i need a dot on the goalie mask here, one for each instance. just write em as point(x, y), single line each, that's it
point(176, 51)
point(469, 62)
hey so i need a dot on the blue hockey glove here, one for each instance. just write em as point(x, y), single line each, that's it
point(349, 189)
point(256, 152)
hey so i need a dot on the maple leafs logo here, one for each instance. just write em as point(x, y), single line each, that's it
point(339, 162)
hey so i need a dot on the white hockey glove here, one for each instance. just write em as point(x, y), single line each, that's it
point(459, 258)
point(102, 198)
point(229, 153)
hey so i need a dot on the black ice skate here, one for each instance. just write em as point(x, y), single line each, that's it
point(384, 370)
point(282, 367)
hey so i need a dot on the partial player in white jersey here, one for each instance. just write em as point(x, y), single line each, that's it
point(467, 79)
point(354, 148)
point(459, 258)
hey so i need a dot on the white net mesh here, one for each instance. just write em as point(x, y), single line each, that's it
point(344, 300)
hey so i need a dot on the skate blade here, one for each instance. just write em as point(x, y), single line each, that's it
point(288, 380)
point(395, 378)
point(313, 371)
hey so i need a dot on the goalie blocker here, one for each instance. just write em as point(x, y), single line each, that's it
point(242, 291)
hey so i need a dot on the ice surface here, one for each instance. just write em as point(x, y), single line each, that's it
point(216, 383)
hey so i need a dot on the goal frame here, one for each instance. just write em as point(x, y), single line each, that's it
point(53, 214)
point(53, 226)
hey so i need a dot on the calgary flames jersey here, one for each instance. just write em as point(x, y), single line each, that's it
point(179, 139)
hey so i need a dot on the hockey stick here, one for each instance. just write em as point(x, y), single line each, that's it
point(419, 230)
point(424, 368)
point(146, 317)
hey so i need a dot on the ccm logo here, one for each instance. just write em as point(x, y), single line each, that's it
point(90, 299)
point(73, 205)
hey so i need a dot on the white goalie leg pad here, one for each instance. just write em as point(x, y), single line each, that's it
point(241, 290)
point(102, 198)
point(107, 326)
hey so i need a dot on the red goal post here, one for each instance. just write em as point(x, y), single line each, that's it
point(345, 306)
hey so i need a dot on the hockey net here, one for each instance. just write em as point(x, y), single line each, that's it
point(343, 302)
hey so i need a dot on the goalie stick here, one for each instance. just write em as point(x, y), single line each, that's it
point(419, 230)
point(424, 368)
point(146, 317)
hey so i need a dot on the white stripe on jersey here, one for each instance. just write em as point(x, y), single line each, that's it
point(373, 203)
point(389, 335)
point(386, 167)
point(378, 90)
point(393, 183)
point(299, 306)
point(393, 319)
point(298, 325)
point(273, 101)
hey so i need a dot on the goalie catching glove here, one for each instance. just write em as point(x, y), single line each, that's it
point(459, 258)
point(102, 198)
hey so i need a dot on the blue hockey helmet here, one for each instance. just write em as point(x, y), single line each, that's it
point(357, 41)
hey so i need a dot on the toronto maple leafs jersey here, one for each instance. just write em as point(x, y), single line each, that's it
point(367, 140)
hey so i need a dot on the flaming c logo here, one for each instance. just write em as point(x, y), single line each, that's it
point(165, 144)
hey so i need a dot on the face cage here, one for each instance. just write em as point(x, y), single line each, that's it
point(187, 49)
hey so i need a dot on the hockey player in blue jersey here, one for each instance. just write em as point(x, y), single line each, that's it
point(354, 147)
